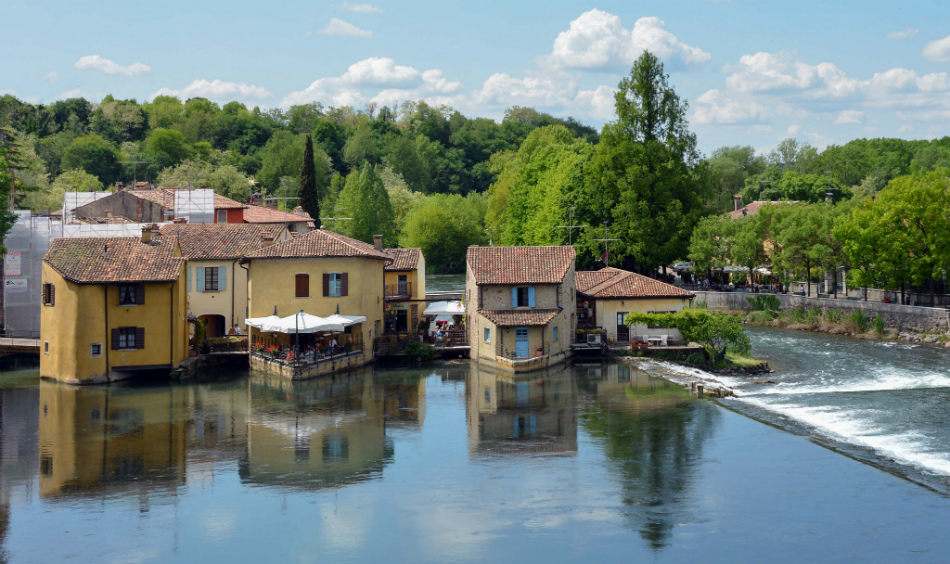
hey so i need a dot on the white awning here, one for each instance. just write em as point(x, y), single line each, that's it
point(445, 308)
point(302, 322)
point(267, 324)
point(346, 320)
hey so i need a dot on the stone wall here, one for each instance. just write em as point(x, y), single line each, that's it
point(895, 315)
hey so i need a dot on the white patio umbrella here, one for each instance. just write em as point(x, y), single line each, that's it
point(445, 308)
point(266, 324)
point(302, 322)
point(346, 320)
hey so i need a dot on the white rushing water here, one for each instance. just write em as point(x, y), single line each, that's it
point(890, 399)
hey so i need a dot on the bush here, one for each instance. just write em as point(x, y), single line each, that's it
point(833, 316)
point(695, 358)
point(860, 321)
point(201, 334)
point(878, 324)
point(422, 351)
point(701, 304)
point(799, 315)
point(765, 302)
point(761, 317)
point(814, 315)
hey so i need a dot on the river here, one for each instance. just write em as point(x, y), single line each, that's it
point(594, 462)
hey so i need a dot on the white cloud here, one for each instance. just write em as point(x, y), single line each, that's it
point(362, 8)
point(436, 82)
point(597, 40)
point(937, 51)
point(51, 76)
point(903, 34)
point(372, 73)
point(95, 62)
point(216, 90)
point(718, 108)
point(906, 128)
point(75, 93)
point(794, 129)
point(849, 116)
point(340, 27)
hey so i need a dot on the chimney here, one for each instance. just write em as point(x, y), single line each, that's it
point(829, 198)
point(147, 234)
point(108, 213)
point(105, 253)
point(256, 199)
point(270, 203)
point(378, 242)
point(267, 239)
point(737, 201)
point(118, 186)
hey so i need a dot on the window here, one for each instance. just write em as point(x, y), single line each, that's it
point(45, 347)
point(302, 285)
point(49, 295)
point(131, 294)
point(211, 279)
point(522, 297)
point(336, 448)
point(335, 284)
point(95, 349)
point(487, 335)
point(126, 338)
point(222, 216)
point(555, 334)
point(487, 394)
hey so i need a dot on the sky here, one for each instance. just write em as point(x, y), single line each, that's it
point(753, 72)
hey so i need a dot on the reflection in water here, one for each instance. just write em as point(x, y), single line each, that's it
point(654, 434)
point(521, 414)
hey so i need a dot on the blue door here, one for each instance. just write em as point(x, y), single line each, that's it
point(521, 341)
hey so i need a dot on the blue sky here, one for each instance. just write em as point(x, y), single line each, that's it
point(753, 72)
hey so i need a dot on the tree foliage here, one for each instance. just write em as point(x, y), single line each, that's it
point(309, 196)
point(712, 329)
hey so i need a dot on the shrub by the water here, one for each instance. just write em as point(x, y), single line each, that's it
point(860, 321)
point(765, 302)
point(833, 316)
point(878, 324)
point(422, 351)
point(760, 317)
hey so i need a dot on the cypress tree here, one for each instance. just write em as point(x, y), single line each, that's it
point(309, 198)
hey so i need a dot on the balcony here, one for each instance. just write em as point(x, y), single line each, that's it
point(401, 290)
point(512, 354)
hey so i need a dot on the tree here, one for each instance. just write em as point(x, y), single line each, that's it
point(364, 199)
point(642, 173)
point(8, 156)
point(444, 226)
point(94, 155)
point(225, 179)
point(309, 197)
point(715, 330)
point(167, 147)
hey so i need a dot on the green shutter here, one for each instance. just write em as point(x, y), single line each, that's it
point(222, 278)
point(200, 282)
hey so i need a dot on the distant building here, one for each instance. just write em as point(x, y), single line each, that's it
point(605, 297)
point(405, 290)
point(752, 208)
point(112, 306)
point(520, 305)
point(217, 285)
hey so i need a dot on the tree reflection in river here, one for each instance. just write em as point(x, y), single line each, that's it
point(653, 432)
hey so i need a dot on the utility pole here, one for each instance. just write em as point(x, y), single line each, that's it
point(134, 162)
point(606, 240)
point(570, 227)
point(490, 231)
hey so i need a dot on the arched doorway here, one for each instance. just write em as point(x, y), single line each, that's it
point(217, 325)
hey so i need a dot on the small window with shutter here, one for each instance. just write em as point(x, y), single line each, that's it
point(128, 338)
point(49, 295)
point(131, 294)
point(302, 285)
point(336, 284)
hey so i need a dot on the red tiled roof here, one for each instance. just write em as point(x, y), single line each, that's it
point(320, 243)
point(403, 259)
point(128, 259)
point(159, 196)
point(219, 241)
point(519, 317)
point(612, 282)
point(260, 214)
point(520, 265)
point(222, 203)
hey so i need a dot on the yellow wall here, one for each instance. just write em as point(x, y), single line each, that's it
point(79, 318)
point(272, 283)
point(606, 313)
point(230, 302)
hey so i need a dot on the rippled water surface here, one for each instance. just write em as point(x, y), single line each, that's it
point(446, 463)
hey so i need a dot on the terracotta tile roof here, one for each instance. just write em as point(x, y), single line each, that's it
point(260, 214)
point(222, 203)
point(320, 243)
point(519, 317)
point(612, 282)
point(161, 197)
point(752, 208)
point(85, 260)
point(403, 259)
point(219, 241)
point(520, 265)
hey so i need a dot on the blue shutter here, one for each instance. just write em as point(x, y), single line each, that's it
point(189, 278)
point(531, 296)
point(222, 278)
point(514, 297)
point(200, 282)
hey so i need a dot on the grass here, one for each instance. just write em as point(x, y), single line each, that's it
point(742, 361)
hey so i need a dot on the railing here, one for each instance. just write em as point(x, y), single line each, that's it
point(287, 358)
point(511, 354)
point(452, 339)
point(580, 335)
point(392, 344)
point(227, 344)
point(398, 290)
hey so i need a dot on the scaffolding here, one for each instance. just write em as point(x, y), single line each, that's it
point(27, 243)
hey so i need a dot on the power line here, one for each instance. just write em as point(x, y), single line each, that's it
point(570, 228)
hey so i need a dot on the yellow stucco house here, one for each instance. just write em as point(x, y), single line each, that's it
point(606, 296)
point(217, 285)
point(111, 307)
point(519, 304)
point(405, 290)
point(321, 273)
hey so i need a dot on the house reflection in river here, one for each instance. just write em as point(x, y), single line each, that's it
point(521, 414)
point(313, 434)
point(653, 432)
point(107, 439)
point(404, 398)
